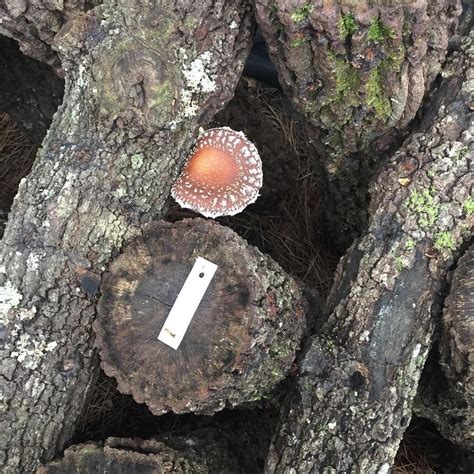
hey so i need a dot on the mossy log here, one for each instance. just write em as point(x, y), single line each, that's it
point(241, 341)
point(141, 78)
point(207, 452)
point(358, 71)
point(359, 376)
point(446, 394)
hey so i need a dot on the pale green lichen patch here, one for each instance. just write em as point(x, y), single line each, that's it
point(469, 206)
point(410, 244)
point(425, 205)
point(26, 314)
point(137, 161)
point(112, 227)
point(400, 263)
point(445, 241)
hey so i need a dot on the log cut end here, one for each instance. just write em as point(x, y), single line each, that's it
point(241, 341)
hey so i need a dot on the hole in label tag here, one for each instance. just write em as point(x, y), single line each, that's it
point(187, 302)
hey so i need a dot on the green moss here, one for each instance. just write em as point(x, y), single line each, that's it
point(424, 205)
point(399, 263)
point(445, 241)
point(376, 97)
point(301, 14)
point(347, 78)
point(347, 26)
point(469, 205)
point(347, 81)
point(410, 244)
point(379, 32)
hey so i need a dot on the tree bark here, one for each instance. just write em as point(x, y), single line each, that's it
point(358, 377)
point(206, 451)
point(34, 24)
point(359, 72)
point(446, 394)
point(241, 341)
point(140, 80)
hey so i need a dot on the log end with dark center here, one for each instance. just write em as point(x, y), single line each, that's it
point(241, 341)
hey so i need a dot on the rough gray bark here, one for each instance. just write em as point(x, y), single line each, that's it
point(446, 394)
point(359, 72)
point(30, 91)
point(140, 79)
point(206, 451)
point(34, 24)
point(241, 342)
point(358, 378)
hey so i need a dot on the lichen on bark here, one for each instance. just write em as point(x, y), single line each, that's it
point(84, 197)
point(358, 379)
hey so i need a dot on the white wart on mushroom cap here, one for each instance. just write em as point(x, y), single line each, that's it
point(222, 175)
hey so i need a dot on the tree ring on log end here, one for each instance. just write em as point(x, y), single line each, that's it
point(241, 341)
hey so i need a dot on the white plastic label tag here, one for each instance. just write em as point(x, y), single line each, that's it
point(187, 302)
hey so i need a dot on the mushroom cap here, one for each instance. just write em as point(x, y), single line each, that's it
point(221, 176)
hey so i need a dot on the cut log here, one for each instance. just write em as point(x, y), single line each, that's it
point(140, 81)
point(241, 341)
point(208, 451)
point(358, 71)
point(446, 393)
point(358, 379)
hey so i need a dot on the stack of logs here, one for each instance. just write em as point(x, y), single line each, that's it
point(140, 81)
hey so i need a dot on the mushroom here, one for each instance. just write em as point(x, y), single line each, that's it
point(222, 175)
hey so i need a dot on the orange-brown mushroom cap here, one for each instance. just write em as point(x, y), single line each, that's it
point(222, 175)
